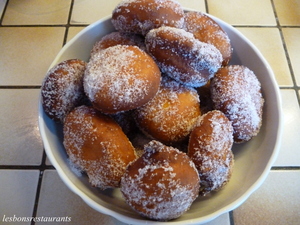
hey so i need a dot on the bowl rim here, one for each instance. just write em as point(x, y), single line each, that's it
point(127, 219)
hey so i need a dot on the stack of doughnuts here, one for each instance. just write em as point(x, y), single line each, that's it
point(156, 109)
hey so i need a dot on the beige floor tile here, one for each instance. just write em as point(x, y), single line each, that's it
point(47, 162)
point(73, 31)
point(58, 201)
point(20, 139)
point(292, 40)
point(37, 12)
point(89, 11)
point(2, 5)
point(237, 12)
point(288, 12)
point(18, 191)
point(268, 41)
point(289, 154)
point(27, 52)
point(223, 219)
point(193, 4)
point(277, 201)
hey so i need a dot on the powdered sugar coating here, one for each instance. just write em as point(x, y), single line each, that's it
point(210, 149)
point(182, 57)
point(96, 145)
point(62, 88)
point(236, 91)
point(207, 30)
point(162, 183)
point(140, 16)
point(121, 78)
point(118, 38)
point(172, 114)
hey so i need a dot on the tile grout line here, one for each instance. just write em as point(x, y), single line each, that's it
point(37, 196)
point(206, 6)
point(285, 168)
point(295, 87)
point(231, 217)
point(3, 12)
point(43, 167)
point(68, 23)
point(20, 87)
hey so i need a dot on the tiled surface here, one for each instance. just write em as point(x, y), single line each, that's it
point(73, 31)
point(18, 192)
point(291, 37)
point(82, 13)
point(31, 34)
point(289, 154)
point(268, 41)
point(277, 200)
point(26, 53)
point(60, 195)
point(2, 5)
point(237, 12)
point(37, 12)
point(288, 12)
point(20, 140)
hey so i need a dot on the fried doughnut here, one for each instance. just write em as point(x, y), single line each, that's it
point(162, 184)
point(236, 91)
point(171, 115)
point(209, 31)
point(182, 57)
point(140, 16)
point(118, 38)
point(210, 149)
point(96, 144)
point(121, 78)
point(62, 88)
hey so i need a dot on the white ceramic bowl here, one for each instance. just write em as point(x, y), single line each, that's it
point(253, 160)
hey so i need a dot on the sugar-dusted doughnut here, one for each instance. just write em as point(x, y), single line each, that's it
point(140, 16)
point(161, 184)
point(172, 114)
point(182, 57)
point(96, 144)
point(210, 149)
point(121, 78)
point(62, 88)
point(118, 38)
point(207, 30)
point(236, 91)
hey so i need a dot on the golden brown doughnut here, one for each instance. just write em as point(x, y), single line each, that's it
point(118, 38)
point(172, 114)
point(182, 57)
point(62, 88)
point(236, 92)
point(210, 149)
point(121, 78)
point(161, 184)
point(209, 31)
point(140, 16)
point(96, 144)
